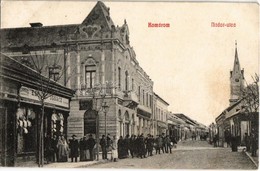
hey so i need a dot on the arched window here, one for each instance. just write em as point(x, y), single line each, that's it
point(133, 124)
point(127, 117)
point(119, 114)
point(127, 123)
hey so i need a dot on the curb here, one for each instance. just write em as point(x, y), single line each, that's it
point(251, 158)
point(92, 164)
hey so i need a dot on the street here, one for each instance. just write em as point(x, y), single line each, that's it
point(188, 155)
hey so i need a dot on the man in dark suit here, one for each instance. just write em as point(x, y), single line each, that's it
point(91, 143)
point(74, 148)
point(54, 143)
point(103, 147)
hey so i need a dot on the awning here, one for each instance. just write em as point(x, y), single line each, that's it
point(144, 111)
point(162, 124)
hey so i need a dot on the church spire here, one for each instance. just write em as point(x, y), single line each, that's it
point(236, 79)
point(236, 67)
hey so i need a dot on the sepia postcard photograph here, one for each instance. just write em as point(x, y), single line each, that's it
point(129, 85)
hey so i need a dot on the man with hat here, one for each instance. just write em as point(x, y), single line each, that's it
point(103, 147)
point(74, 148)
point(91, 144)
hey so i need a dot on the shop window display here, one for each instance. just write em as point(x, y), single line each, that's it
point(26, 130)
point(57, 124)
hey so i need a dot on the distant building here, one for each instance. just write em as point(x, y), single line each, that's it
point(175, 125)
point(160, 115)
point(188, 128)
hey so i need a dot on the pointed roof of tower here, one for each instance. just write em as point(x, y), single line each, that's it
point(236, 67)
point(99, 15)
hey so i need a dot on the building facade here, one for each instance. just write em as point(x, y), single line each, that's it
point(96, 60)
point(160, 115)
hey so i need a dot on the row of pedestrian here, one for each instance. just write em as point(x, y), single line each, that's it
point(142, 147)
point(57, 149)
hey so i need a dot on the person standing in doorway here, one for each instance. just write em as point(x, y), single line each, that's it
point(54, 144)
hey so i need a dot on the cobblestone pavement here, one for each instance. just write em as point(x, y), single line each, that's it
point(188, 155)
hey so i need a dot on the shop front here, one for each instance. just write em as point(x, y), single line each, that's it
point(162, 127)
point(144, 120)
point(173, 130)
point(21, 110)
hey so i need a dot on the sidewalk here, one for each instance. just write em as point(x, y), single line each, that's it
point(74, 164)
point(255, 160)
point(68, 164)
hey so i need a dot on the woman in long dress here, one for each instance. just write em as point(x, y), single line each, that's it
point(114, 149)
point(63, 149)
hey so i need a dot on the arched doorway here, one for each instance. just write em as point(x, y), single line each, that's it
point(90, 118)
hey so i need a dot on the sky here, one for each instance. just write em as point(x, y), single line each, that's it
point(189, 62)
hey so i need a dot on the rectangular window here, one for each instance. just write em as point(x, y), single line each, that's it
point(90, 76)
point(54, 72)
point(143, 98)
point(119, 77)
point(147, 99)
point(133, 84)
point(139, 93)
point(151, 98)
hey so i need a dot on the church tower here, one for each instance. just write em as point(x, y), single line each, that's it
point(236, 80)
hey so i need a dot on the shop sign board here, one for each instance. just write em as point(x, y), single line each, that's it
point(32, 94)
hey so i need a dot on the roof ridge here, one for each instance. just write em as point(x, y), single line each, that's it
point(98, 15)
point(39, 27)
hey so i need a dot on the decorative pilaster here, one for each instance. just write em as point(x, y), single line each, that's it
point(113, 69)
point(78, 68)
point(67, 68)
point(102, 67)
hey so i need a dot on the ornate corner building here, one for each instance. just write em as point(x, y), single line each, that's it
point(96, 60)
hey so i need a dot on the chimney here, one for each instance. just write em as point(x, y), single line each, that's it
point(36, 24)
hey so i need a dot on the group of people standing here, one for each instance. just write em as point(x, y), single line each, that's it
point(251, 141)
point(142, 147)
point(57, 149)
